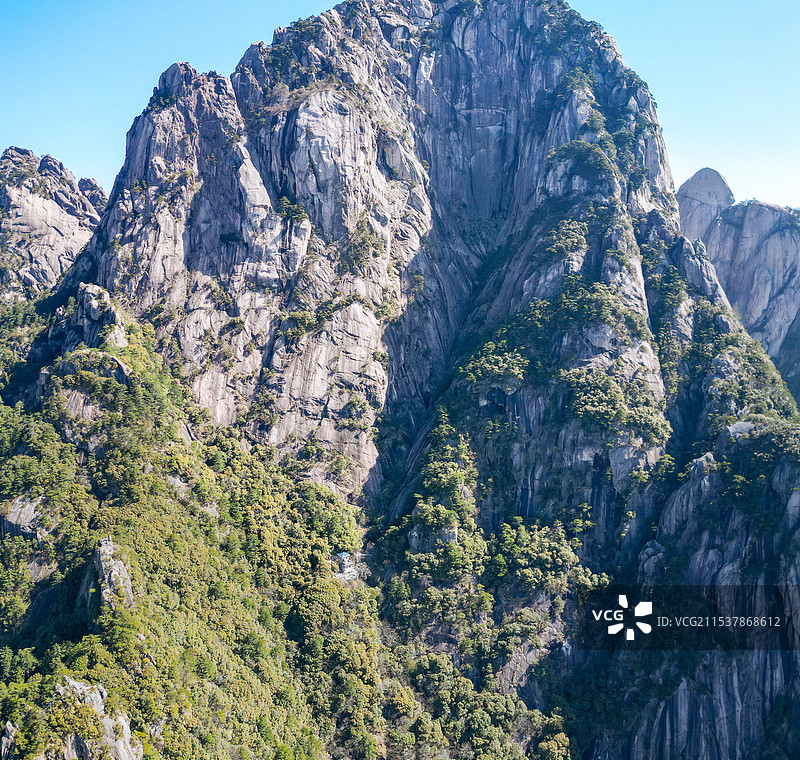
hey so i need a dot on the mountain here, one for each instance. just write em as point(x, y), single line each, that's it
point(755, 248)
point(303, 205)
point(385, 351)
point(46, 217)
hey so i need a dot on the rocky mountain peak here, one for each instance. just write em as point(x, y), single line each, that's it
point(280, 224)
point(46, 217)
point(48, 177)
point(702, 198)
point(755, 248)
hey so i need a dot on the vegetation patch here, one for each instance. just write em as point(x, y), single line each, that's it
point(527, 346)
point(294, 211)
point(363, 245)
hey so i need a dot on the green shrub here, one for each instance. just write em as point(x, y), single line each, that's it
point(362, 246)
point(567, 238)
point(328, 516)
point(294, 211)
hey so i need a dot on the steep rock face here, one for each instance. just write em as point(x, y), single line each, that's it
point(718, 706)
point(755, 248)
point(46, 217)
point(701, 199)
point(319, 221)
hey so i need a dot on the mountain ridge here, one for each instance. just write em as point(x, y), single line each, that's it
point(755, 247)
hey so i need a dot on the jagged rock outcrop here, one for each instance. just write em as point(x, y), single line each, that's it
point(7, 740)
point(91, 320)
point(108, 574)
point(115, 739)
point(46, 217)
point(755, 248)
point(115, 581)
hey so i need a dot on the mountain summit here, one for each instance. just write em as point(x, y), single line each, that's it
point(350, 190)
point(46, 217)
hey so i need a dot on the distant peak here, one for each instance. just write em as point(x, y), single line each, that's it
point(709, 187)
point(175, 77)
point(13, 153)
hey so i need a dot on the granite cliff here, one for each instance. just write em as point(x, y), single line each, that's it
point(46, 217)
point(755, 248)
point(410, 281)
point(344, 194)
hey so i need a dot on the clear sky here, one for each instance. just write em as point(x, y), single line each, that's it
point(724, 74)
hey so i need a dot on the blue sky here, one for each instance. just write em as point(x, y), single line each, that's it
point(724, 74)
